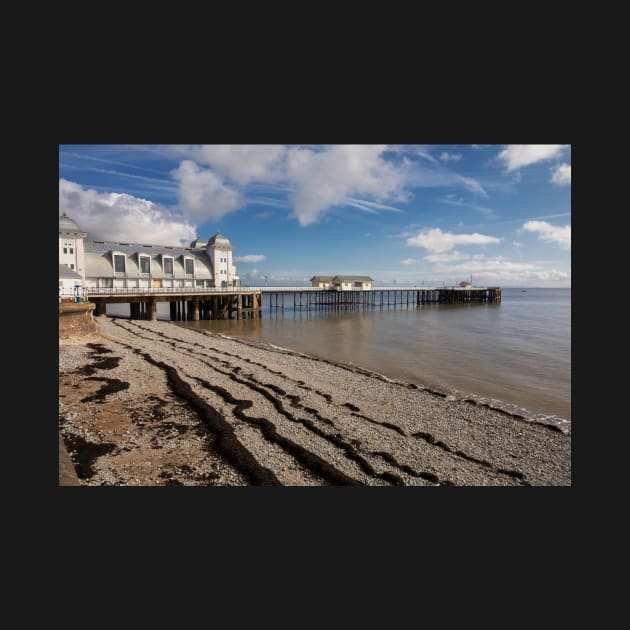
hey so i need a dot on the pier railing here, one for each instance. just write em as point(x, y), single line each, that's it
point(105, 291)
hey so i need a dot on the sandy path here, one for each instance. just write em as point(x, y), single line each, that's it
point(183, 406)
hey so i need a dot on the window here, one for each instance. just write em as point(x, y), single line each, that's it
point(189, 266)
point(71, 266)
point(145, 264)
point(65, 250)
point(119, 263)
point(72, 250)
point(168, 265)
point(199, 283)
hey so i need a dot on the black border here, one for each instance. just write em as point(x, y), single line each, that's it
point(408, 521)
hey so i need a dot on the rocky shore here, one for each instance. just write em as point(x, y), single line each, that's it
point(152, 403)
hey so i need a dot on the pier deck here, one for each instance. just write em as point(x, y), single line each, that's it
point(193, 303)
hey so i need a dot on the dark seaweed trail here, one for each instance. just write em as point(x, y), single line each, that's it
point(112, 385)
point(335, 439)
point(430, 439)
point(310, 460)
point(226, 441)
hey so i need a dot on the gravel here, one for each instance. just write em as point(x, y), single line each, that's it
point(305, 420)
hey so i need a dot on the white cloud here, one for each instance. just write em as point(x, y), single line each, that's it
point(436, 241)
point(250, 258)
point(408, 261)
point(442, 258)
point(518, 155)
point(561, 174)
point(243, 163)
point(502, 271)
point(203, 194)
point(550, 233)
point(213, 179)
point(450, 157)
point(326, 178)
point(123, 217)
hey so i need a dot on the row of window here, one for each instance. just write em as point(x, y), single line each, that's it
point(65, 250)
point(109, 283)
point(120, 264)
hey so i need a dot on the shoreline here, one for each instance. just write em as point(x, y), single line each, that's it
point(185, 406)
point(444, 391)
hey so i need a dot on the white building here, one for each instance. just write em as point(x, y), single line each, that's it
point(125, 265)
point(342, 283)
point(351, 283)
point(321, 282)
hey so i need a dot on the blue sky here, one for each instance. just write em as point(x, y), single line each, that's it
point(412, 214)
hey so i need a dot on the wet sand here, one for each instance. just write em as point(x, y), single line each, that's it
point(152, 403)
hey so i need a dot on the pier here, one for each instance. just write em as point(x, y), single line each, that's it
point(194, 304)
point(379, 297)
point(186, 304)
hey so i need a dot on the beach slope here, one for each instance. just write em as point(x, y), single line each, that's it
point(153, 403)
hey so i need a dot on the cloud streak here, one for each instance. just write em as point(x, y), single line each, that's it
point(436, 241)
point(250, 258)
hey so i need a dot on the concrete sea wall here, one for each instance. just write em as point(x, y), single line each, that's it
point(76, 319)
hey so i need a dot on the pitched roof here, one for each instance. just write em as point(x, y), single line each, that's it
point(322, 278)
point(98, 259)
point(66, 273)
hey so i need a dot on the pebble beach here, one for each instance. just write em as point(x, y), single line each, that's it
point(150, 403)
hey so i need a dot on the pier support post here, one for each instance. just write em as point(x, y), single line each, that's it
point(153, 310)
point(195, 310)
point(173, 307)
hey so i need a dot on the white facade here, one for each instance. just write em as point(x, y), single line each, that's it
point(220, 251)
point(321, 282)
point(71, 251)
point(117, 265)
point(342, 283)
point(352, 283)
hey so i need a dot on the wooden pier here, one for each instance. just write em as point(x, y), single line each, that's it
point(185, 305)
point(300, 298)
point(195, 305)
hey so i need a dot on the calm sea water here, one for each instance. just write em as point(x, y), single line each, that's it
point(516, 354)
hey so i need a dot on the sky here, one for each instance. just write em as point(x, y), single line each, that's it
point(407, 215)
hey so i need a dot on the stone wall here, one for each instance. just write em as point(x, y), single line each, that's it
point(76, 319)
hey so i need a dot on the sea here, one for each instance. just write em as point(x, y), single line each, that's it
point(515, 355)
